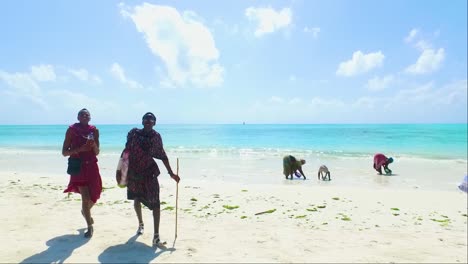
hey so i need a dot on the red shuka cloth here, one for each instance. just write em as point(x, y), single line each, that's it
point(89, 174)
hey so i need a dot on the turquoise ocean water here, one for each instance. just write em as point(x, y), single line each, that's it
point(436, 141)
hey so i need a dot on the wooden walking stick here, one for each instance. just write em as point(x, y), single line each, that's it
point(177, 200)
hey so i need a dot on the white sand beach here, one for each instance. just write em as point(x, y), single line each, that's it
point(400, 221)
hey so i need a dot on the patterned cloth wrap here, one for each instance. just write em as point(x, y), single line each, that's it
point(290, 165)
point(143, 171)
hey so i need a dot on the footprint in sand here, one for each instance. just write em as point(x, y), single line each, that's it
point(191, 251)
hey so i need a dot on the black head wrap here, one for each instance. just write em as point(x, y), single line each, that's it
point(149, 115)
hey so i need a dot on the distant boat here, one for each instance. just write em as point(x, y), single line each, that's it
point(243, 123)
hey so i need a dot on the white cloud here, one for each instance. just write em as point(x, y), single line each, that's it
point(452, 93)
point(295, 101)
point(414, 38)
point(78, 100)
point(96, 79)
point(184, 44)
point(292, 101)
point(364, 103)
point(268, 19)
point(81, 74)
point(84, 75)
point(315, 31)
point(429, 97)
point(141, 106)
point(419, 94)
point(318, 102)
point(43, 73)
point(425, 102)
point(378, 84)
point(23, 85)
point(412, 35)
point(423, 45)
point(229, 29)
point(119, 73)
point(276, 99)
point(360, 63)
point(429, 61)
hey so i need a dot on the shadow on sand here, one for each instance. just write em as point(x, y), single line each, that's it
point(132, 252)
point(60, 248)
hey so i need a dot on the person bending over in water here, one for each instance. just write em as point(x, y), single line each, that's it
point(380, 160)
point(291, 165)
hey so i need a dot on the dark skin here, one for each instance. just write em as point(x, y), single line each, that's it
point(148, 123)
point(300, 171)
point(323, 172)
point(385, 166)
point(324, 175)
point(67, 150)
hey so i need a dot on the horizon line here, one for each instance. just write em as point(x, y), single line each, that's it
point(241, 123)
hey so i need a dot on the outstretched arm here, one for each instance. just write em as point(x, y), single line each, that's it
point(303, 175)
point(387, 170)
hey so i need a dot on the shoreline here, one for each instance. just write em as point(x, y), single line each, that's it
point(409, 173)
point(243, 152)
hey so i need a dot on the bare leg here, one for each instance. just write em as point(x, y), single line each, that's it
point(137, 206)
point(156, 217)
point(141, 225)
point(91, 204)
point(86, 205)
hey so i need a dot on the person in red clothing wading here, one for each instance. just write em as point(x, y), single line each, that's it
point(380, 160)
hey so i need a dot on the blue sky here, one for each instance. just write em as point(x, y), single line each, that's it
point(234, 61)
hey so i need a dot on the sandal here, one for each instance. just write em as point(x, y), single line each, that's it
point(90, 232)
point(157, 241)
point(141, 229)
